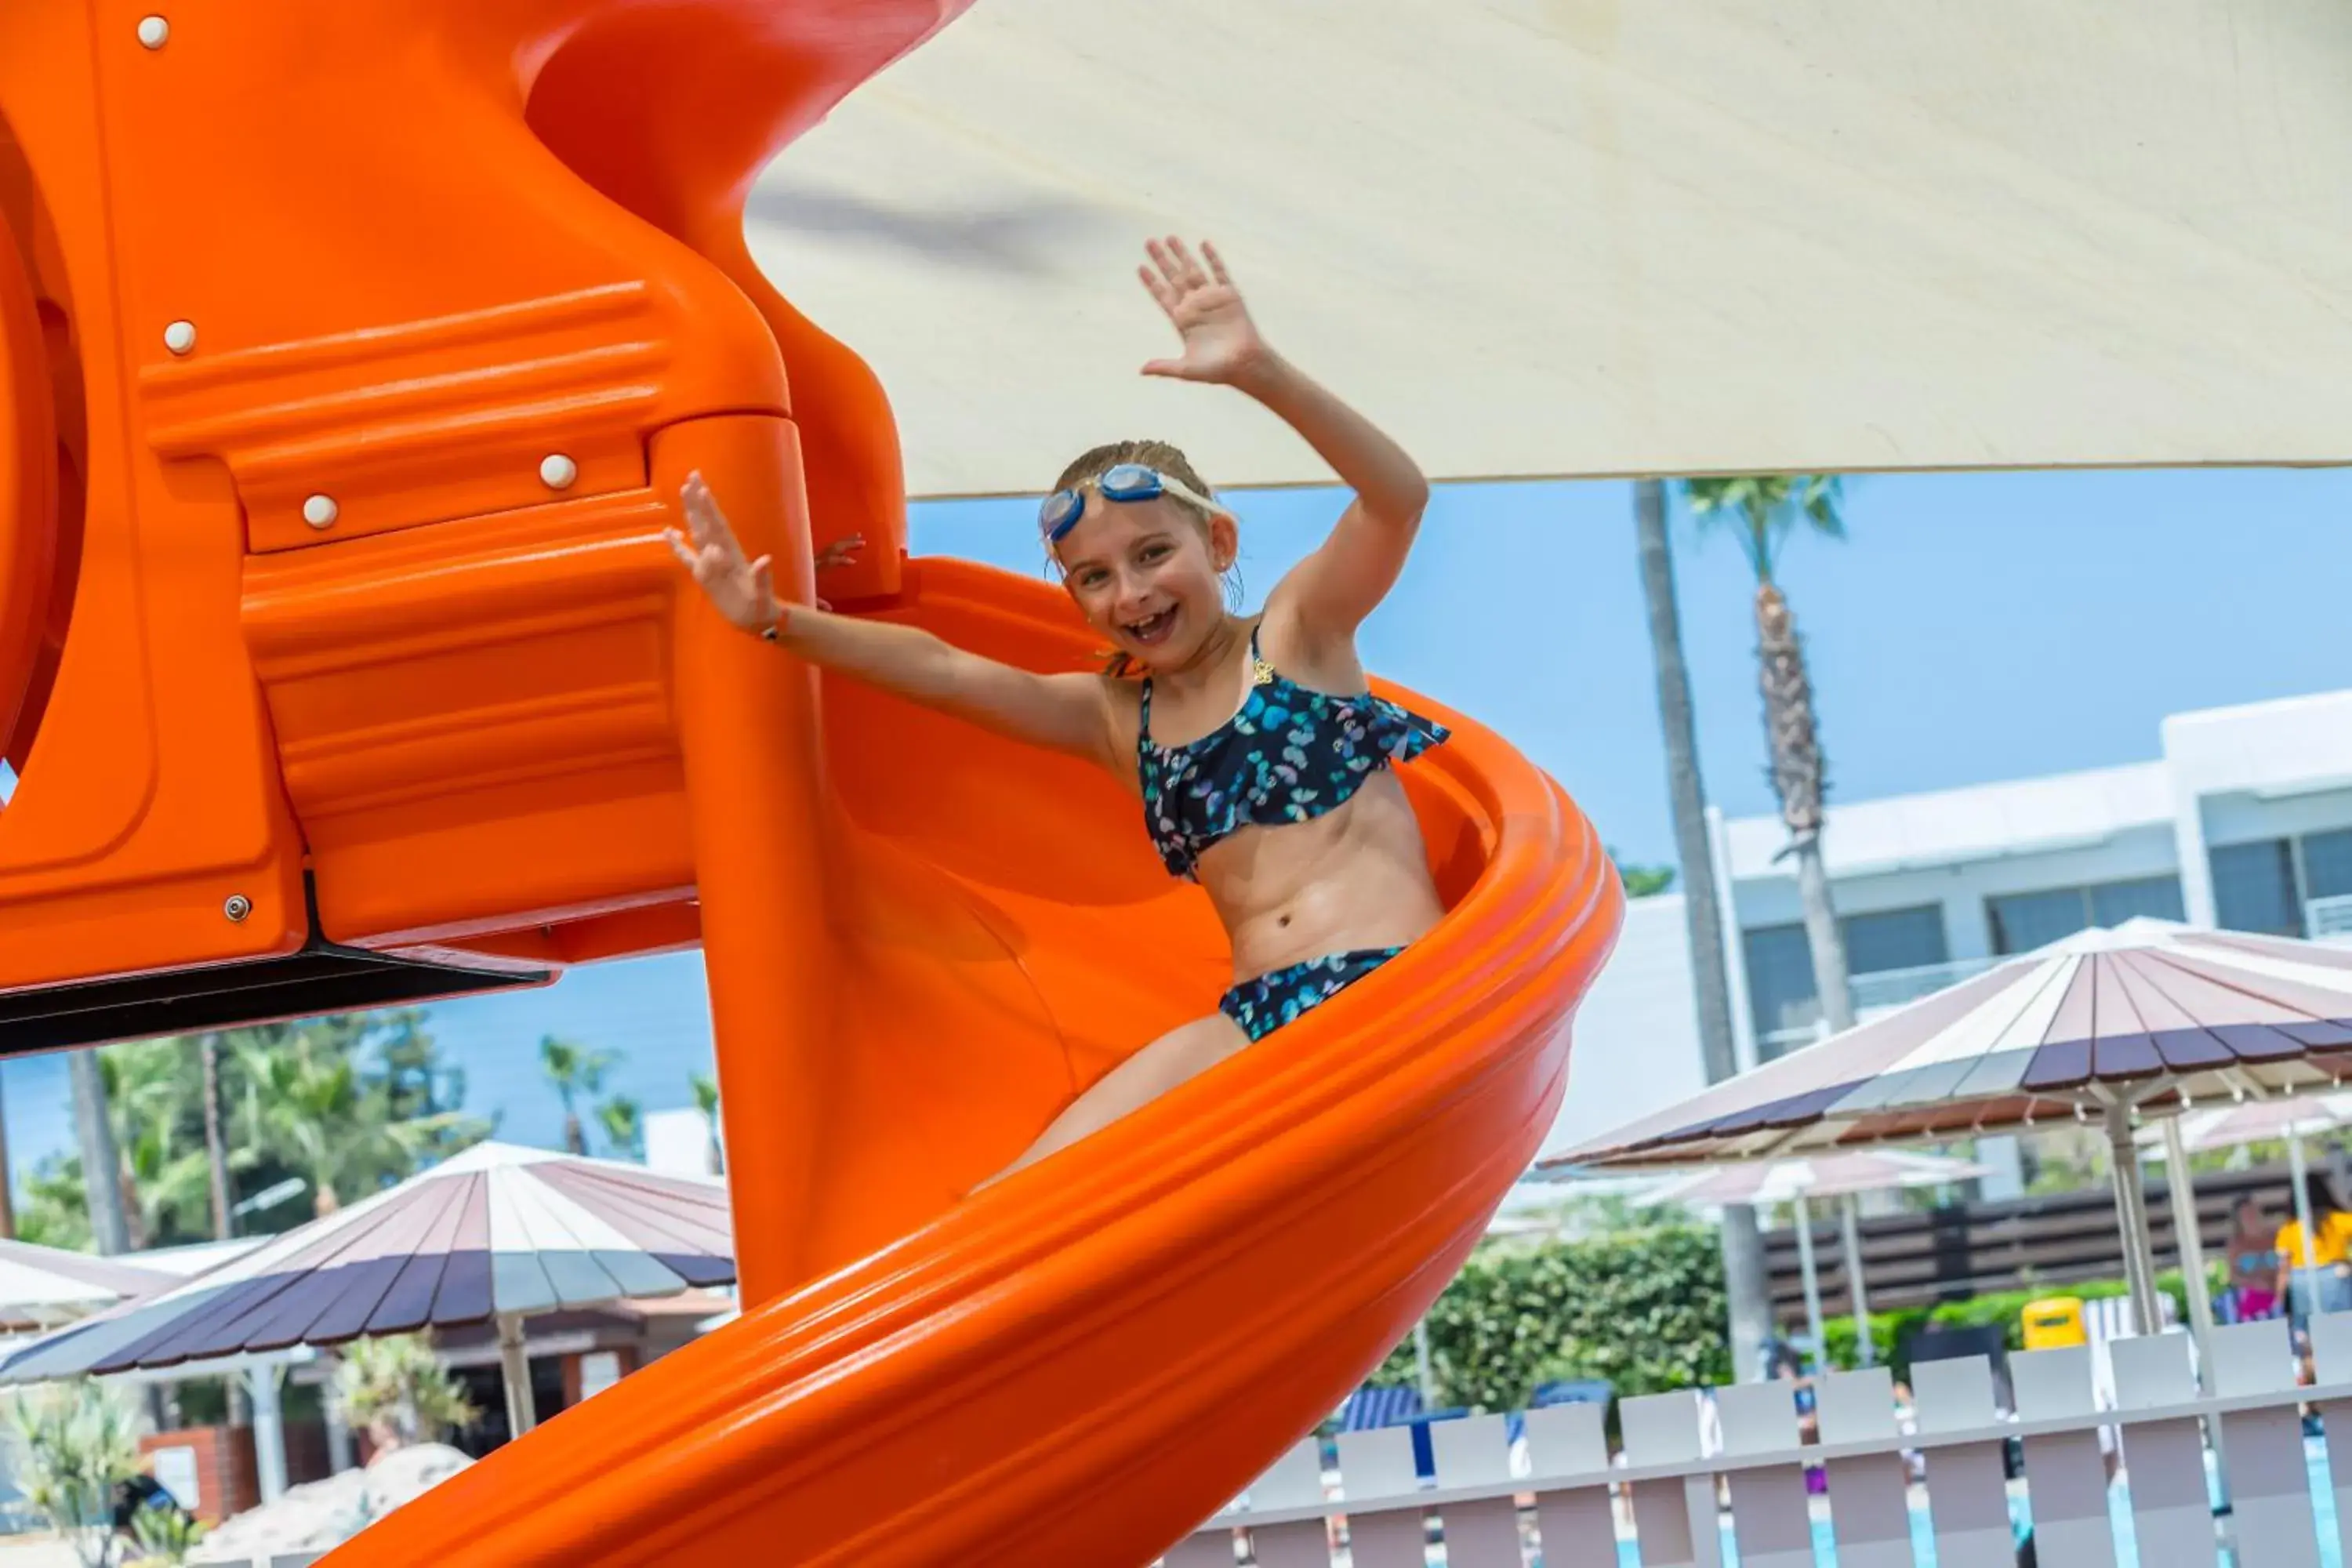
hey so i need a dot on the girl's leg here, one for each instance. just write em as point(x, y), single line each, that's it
point(1181, 1053)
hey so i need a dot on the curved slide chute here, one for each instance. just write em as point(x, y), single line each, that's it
point(361, 700)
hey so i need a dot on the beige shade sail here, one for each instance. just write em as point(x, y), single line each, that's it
point(1587, 238)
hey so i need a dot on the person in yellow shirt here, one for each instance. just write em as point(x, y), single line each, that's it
point(2329, 1273)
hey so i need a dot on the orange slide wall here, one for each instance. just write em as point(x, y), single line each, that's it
point(325, 683)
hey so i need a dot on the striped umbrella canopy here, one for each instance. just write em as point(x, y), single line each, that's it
point(2149, 1017)
point(495, 1233)
point(40, 1286)
point(2282, 1119)
point(2140, 1021)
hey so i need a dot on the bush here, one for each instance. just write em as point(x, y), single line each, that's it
point(1643, 1308)
point(397, 1391)
point(167, 1536)
point(1890, 1333)
point(70, 1445)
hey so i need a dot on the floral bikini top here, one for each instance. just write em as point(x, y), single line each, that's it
point(1289, 755)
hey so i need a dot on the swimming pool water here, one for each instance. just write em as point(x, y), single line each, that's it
point(1923, 1544)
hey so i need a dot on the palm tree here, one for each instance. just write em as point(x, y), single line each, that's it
point(1760, 511)
point(577, 1072)
point(307, 1106)
point(216, 1139)
point(1749, 1294)
point(705, 1099)
point(101, 1164)
point(624, 1122)
point(164, 1179)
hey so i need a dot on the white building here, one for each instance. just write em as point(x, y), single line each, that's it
point(2244, 820)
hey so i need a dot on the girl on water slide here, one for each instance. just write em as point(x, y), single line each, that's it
point(1262, 763)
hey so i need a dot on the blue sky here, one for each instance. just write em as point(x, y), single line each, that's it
point(1973, 628)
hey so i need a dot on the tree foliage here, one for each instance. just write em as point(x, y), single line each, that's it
point(1642, 881)
point(1761, 510)
point(577, 1071)
point(349, 1104)
point(623, 1121)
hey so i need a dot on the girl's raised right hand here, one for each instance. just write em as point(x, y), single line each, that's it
point(743, 591)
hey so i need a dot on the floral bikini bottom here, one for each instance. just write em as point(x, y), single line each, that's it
point(1280, 996)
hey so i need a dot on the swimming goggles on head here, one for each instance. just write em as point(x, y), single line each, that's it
point(1060, 512)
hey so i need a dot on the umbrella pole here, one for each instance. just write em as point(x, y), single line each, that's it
point(1812, 1283)
point(1865, 1351)
point(2188, 1237)
point(2194, 1284)
point(268, 1431)
point(2131, 1210)
point(522, 1415)
point(1421, 1365)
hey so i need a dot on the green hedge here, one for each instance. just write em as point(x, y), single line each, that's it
point(1643, 1309)
point(1889, 1331)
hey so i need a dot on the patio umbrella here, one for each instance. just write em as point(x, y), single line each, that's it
point(2145, 1020)
point(41, 1286)
point(498, 1233)
point(1796, 1182)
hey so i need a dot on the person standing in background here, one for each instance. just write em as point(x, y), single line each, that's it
point(2323, 1283)
point(2253, 1263)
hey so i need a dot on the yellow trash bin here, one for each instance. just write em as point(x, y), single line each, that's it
point(2054, 1321)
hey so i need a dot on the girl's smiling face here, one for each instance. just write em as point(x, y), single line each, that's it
point(1148, 576)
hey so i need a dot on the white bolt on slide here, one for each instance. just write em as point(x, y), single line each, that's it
point(557, 471)
point(180, 337)
point(155, 31)
point(320, 512)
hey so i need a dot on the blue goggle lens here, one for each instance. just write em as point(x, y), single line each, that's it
point(1060, 512)
point(1131, 481)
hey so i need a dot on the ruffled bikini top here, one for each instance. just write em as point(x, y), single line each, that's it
point(1289, 755)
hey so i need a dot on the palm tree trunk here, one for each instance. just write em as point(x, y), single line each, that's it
point(102, 1163)
point(1743, 1244)
point(1800, 780)
point(134, 1223)
point(1822, 937)
point(216, 1141)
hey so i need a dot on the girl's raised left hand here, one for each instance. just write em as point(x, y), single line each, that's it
point(1220, 342)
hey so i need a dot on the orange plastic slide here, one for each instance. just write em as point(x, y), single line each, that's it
point(349, 357)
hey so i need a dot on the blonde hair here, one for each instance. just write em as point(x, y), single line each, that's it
point(1098, 461)
point(1169, 459)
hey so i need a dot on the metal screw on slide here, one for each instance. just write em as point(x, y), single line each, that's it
point(180, 337)
point(237, 906)
point(557, 471)
point(155, 31)
point(321, 511)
